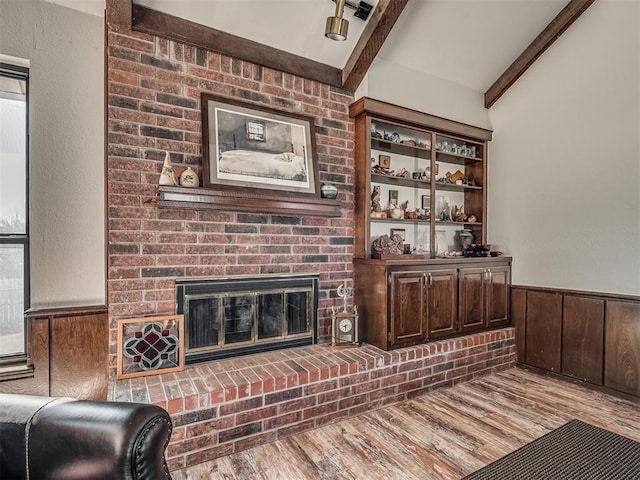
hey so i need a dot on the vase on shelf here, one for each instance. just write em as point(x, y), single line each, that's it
point(167, 177)
point(189, 178)
point(464, 238)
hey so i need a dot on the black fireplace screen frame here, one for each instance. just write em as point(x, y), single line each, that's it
point(224, 298)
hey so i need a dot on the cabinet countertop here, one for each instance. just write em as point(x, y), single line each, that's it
point(416, 260)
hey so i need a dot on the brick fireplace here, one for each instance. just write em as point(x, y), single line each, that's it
point(218, 407)
point(154, 89)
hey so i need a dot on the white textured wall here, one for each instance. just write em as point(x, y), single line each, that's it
point(65, 48)
point(400, 85)
point(564, 175)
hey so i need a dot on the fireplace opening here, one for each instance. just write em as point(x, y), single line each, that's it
point(238, 316)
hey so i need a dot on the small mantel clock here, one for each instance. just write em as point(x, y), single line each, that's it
point(344, 324)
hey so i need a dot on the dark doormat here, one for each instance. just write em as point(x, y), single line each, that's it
point(575, 451)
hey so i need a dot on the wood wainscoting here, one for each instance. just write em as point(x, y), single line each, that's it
point(591, 337)
point(67, 354)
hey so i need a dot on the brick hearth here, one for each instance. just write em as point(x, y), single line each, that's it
point(231, 405)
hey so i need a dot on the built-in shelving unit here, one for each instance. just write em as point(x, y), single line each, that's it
point(416, 158)
point(412, 171)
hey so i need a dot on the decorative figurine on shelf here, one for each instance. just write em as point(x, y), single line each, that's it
point(456, 177)
point(459, 215)
point(189, 179)
point(403, 173)
point(404, 207)
point(167, 177)
point(445, 214)
point(386, 245)
point(375, 199)
point(344, 324)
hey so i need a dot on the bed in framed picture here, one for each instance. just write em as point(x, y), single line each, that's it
point(248, 146)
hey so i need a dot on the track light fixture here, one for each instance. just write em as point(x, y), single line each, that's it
point(337, 26)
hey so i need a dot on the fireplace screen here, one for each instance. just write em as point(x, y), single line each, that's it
point(230, 317)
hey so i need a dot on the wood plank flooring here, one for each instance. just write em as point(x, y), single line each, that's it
point(442, 435)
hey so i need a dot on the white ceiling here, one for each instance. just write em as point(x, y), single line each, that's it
point(468, 42)
point(296, 26)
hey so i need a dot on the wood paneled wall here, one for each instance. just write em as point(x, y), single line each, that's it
point(592, 337)
point(67, 354)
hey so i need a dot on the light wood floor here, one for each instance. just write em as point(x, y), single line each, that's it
point(442, 435)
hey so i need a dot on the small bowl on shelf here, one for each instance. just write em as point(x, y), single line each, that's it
point(477, 250)
point(328, 191)
point(495, 253)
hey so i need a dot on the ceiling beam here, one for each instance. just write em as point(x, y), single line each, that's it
point(375, 33)
point(118, 14)
point(550, 34)
point(163, 25)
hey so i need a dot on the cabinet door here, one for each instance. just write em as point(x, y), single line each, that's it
point(582, 338)
point(407, 307)
point(472, 299)
point(441, 303)
point(498, 296)
point(544, 330)
point(622, 347)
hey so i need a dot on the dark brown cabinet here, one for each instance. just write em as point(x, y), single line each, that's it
point(622, 347)
point(408, 308)
point(498, 286)
point(484, 297)
point(544, 330)
point(407, 302)
point(67, 354)
point(582, 338)
point(588, 336)
point(442, 303)
point(472, 299)
point(423, 305)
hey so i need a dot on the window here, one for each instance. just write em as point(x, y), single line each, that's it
point(14, 225)
point(255, 131)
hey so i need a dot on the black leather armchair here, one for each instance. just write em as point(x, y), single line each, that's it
point(45, 438)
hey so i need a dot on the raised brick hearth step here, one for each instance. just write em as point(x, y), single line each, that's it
point(230, 405)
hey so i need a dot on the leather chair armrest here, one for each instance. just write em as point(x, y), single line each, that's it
point(82, 439)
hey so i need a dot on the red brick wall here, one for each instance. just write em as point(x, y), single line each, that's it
point(154, 88)
point(228, 406)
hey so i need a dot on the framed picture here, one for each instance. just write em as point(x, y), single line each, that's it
point(398, 231)
point(250, 146)
point(384, 161)
point(393, 198)
point(150, 346)
point(426, 202)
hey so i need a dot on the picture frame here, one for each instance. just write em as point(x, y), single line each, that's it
point(247, 146)
point(393, 198)
point(150, 346)
point(384, 161)
point(398, 231)
point(426, 202)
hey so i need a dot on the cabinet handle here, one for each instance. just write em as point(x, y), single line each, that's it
point(430, 280)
